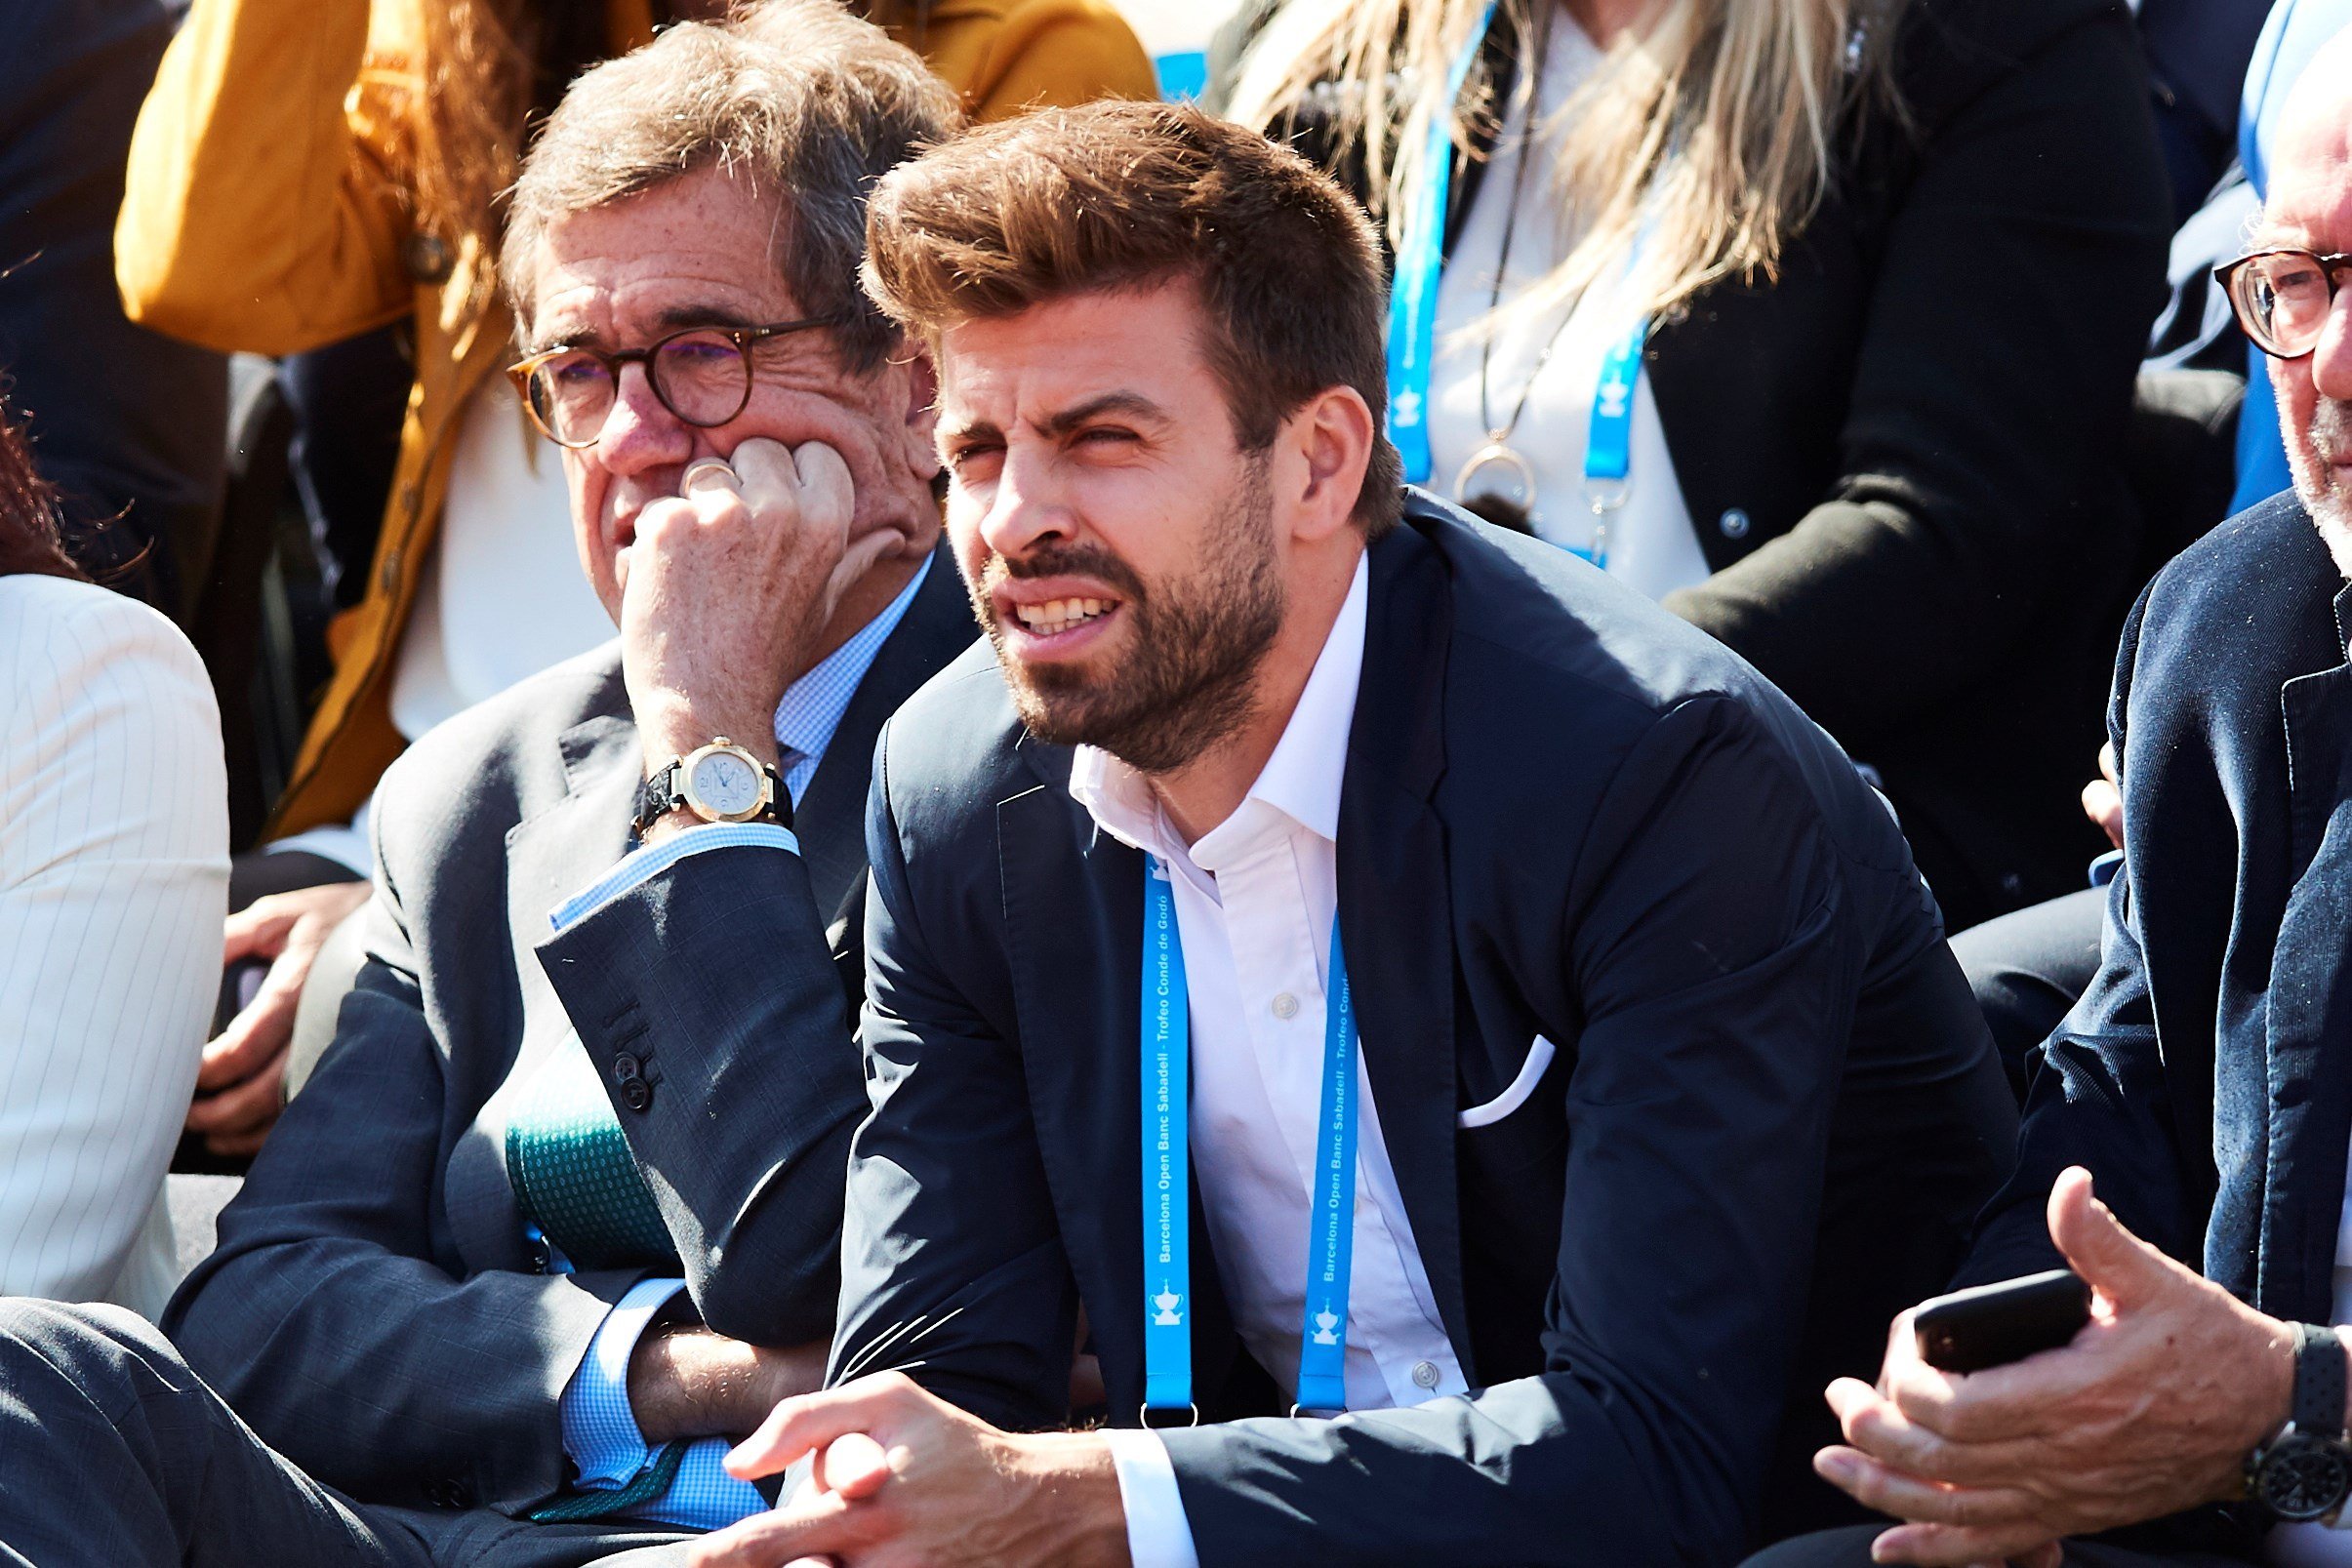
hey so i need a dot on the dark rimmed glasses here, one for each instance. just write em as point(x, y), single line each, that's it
point(702, 375)
point(2283, 297)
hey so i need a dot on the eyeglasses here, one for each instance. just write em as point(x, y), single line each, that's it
point(2282, 298)
point(702, 375)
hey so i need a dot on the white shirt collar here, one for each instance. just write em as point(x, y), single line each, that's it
point(1301, 779)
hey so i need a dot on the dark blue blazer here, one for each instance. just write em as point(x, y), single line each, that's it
point(2205, 1079)
point(1565, 814)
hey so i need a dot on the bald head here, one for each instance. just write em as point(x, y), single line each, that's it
point(2309, 206)
point(2315, 129)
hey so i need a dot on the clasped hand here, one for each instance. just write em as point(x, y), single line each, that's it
point(2151, 1409)
point(900, 1479)
point(728, 589)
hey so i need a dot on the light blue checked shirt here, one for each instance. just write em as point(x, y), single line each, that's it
point(599, 1430)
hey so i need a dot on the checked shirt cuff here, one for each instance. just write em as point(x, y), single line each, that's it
point(599, 1430)
point(642, 865)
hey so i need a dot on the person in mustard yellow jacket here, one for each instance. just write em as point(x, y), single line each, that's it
point(305, 170)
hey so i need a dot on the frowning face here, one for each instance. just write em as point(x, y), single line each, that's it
point(1122, 551)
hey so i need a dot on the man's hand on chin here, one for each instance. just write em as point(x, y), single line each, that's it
point(728, 590)
point(2151, 1409)
point(905, 1481)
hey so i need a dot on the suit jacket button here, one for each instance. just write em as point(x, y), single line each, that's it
point(1733, 523)
point(636, 1093)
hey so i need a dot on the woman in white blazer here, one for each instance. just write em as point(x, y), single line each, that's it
point(113, 883)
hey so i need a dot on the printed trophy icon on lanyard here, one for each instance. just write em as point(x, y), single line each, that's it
point(1167, 1178)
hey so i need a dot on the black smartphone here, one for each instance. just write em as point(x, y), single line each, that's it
point(1993, 1325)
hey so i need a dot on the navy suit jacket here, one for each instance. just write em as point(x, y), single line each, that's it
point(2202, 1078)
point(1565, 814)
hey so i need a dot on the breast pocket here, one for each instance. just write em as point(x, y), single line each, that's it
point(1531, 1070)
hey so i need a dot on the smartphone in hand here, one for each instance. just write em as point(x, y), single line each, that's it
point(1993, 1325)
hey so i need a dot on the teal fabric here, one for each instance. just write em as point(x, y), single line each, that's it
point(574, 1174)
point(649, 1483)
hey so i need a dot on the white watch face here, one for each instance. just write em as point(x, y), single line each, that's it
point(726, 784)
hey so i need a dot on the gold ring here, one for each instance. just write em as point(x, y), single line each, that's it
point(718, 465)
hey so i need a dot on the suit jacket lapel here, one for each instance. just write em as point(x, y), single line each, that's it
point(2309, 1009)
point(1074, 935)
point(1395, 914)
point(831, 814)
point(550, 856)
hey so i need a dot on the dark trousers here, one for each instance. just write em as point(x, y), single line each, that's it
point(1850, 1548)
point(118, 1456)
point(2028, 969)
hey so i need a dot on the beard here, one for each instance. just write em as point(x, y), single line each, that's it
point(1194, 643)
point(2318, 482)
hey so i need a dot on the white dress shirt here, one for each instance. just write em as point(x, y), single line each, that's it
point(1650, 545)
point(1255, 899)
point(114, 884)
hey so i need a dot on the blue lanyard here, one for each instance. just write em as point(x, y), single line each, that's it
point(1413, 321)
point(1608, 442)
point(1166, 1035)
point(1413, 294)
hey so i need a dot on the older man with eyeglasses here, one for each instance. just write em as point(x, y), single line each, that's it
point(544, 1230)
point(2186, 1141)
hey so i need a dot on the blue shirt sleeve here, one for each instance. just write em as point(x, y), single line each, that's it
point(642, 865)
point(601, 1437)
point(599, 1430)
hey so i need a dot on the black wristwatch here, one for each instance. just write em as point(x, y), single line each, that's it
point(719, 783)
point(2305, 1471)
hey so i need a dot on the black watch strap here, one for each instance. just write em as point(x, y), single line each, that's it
point(2319, 1381)
point(658, 797)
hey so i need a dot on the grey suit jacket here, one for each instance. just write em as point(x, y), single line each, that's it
point(373, 1309)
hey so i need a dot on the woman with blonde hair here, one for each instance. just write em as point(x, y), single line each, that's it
point(1817, 319)
point(308, 170)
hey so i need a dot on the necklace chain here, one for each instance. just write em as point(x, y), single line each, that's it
point(1528, 146)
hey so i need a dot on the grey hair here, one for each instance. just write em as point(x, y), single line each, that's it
point(804, 105)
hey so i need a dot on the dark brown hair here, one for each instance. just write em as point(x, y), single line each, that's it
point(1130, 195)
point(29, 509)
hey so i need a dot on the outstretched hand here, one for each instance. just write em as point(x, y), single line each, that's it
point(2151, 1409)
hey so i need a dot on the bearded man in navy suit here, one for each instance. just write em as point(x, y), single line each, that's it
point(1345, 957)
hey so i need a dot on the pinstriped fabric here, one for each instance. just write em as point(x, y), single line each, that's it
point(114, 884)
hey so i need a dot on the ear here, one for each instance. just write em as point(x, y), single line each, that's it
point(1334, 433)
point(922, 413)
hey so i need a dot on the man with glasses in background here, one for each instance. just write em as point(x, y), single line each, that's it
point(541, 1232)
point(2204, 1083)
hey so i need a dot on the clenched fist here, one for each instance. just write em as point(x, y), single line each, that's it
point(728, 592)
